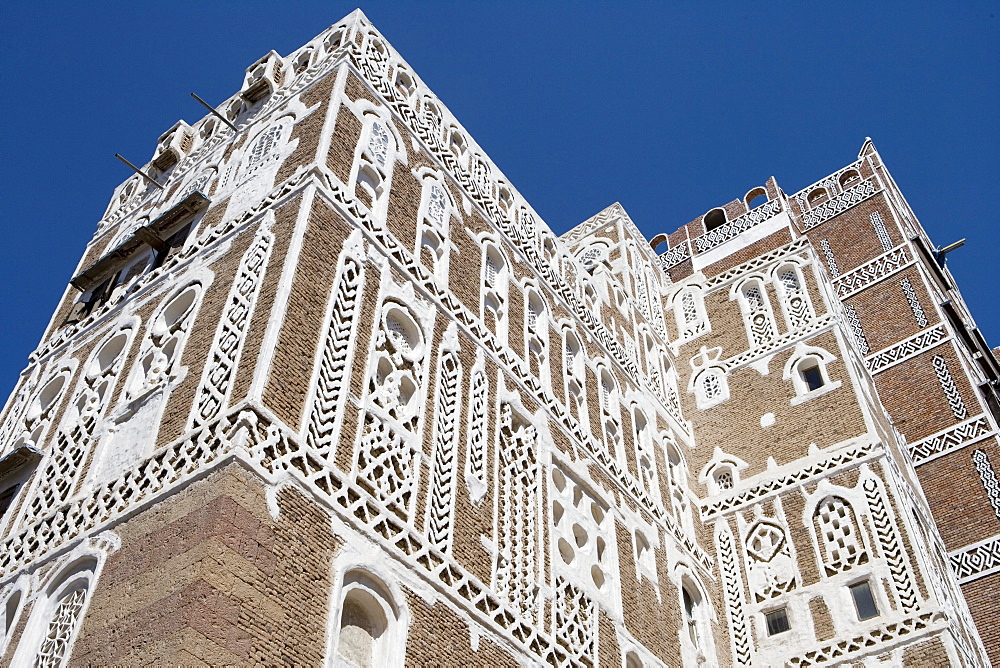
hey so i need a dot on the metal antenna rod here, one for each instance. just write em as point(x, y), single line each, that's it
point(212, 109)
point(139, 171)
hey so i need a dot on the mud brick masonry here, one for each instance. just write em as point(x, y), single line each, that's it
point(336, 395)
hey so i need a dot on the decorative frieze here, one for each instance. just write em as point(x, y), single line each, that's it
point(949, 440)
point(839, 204)
point(674, 256)
point(872, 272)
point(905, 349)
point(949, 388)
point(911, 299)
point(977, 560)
point(737, 226)
point(989, 479)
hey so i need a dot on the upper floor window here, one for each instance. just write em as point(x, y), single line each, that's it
point(436, 211)
point(757, 316)
point(374, 158)
point(495, 288)
point(369, 631)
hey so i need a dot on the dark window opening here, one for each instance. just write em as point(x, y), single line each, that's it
point(714, 219)
point(812, 376)
point(777, 621)
point(7, 499)
point(864, 602)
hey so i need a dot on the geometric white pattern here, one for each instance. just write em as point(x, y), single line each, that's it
point(989, 478)
point(911, 298)
point(880, 231)
point(855, 323)
point(831, 261)
point(950, 389)
point(55, 648)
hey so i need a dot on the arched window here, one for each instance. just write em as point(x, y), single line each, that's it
point(711, 387)
point(56, 617)
point(436, 211)
point(161, 350)
point(494, 292)
point(373, 162)
point(368, 633)
point(388, 451)
point(689, 312)
point(679, 505)
point(817, 196)
point(404, 84)
point(849, 178)
point(714, 219)
point(807, 369)
point(536, 335)
point(10, 612)
point(794, 299)
point(645, 457)
point(757, 314)
point(755, 198)
point(725, 478)
point(574, 362)
point(696, 635)
point(841, 544)
point(610, 414)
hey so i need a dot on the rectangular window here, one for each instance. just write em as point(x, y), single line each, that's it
point(777, 621)
point(864, 602)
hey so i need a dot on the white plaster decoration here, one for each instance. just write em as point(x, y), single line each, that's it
point(885, 265)
point(216, 383)
point(441, 497)
point(575, 623)
point(680, 505)
point(388, 452)
point(793, 297)
point(370, 619)
point(831, 260)
point(610, 413)
point(251, 172)
point(436, 209)
point(740, 637)
point(803, 358)
point(515, 577)
point(840, 203)
point(949, 388)
point(756, 307)
point(336, 349)
point(887, 532)
point(536, 334)
point(721, 473)
point(583, 539)
point(708, 382)
point(674, 256)
point(977, 560)
point(60, 602)
point(836, 528)
point(495, 285)
point(950, 439)
point(689, 311)
point(645, 455)
point(795, 249)
point(870, 642)
point(76, 435)
point(734, 227)
point(855, 324)
point(911, 298)
point(28, 424)
point(130, 435)
point(574, 365)
point(374, 159)
point(989, 479)
point(883, 235)
point(475, 458)
point(769, 561)
point(905, 349)
point(767, 420)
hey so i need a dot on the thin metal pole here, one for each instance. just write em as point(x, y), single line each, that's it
point(139, 171)
point(212, 109)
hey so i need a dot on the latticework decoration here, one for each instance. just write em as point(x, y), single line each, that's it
point(888, 539)
point(838, 535)
point(215, 386)
point(741, 638)
point(575, 624)
point(56, 646)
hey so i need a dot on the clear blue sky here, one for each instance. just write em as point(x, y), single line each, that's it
point(670, 109)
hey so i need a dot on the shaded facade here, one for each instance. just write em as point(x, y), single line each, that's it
point(335, 394)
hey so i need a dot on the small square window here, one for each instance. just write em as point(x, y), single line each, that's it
point(777, 621)
point(864, 602)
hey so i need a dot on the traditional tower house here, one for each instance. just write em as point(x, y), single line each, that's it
point(329, 392)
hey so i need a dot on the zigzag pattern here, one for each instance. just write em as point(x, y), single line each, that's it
point(898, 565)
point(329, 385)
point(733, 591)
point(442, 482)
point(871, 272)
point(905, 349)
point(976, 560)
point(951, 439)
point(737, 226)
